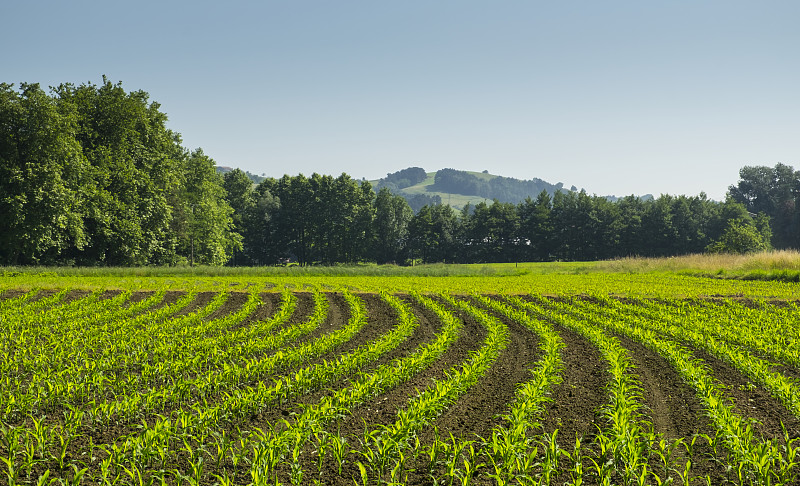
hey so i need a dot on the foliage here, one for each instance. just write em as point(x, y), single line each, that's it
point(402, 178)
point(203, 222)
point(43, 176)
point(740, 238)
point(392, 216)
point(417, 201)
point(774, 191)
point(91, 175)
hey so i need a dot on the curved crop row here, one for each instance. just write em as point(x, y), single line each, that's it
point(760, 461)
point(511, 452)
point(688, 329)
point(625, 450)
point(383, 451)
point(286, 445)
point(119, 389)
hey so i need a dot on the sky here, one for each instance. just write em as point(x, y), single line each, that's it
point(617, 97)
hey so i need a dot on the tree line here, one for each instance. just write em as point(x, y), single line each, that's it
point(329, 220)
point(90, 175)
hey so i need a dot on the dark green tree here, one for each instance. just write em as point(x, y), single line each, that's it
point(43, 177)
point(135, 169)
point(774, 191)
point(296, 220)
point(392, 216)
point(203, 220)
point(264, 242)
point(433, 234)
point(628, 227)
point(536, 228)
point(491, 232)
point(242, 199)
point(578, 227)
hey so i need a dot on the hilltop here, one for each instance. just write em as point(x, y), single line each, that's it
point(459, 188)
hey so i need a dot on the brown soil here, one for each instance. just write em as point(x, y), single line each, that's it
point(574, 408)
point(138, 297)
point(269, 304)
point(14, 293)
point(200, 300)
point(73, 295)
point(232, 304)
point(477, 411)
point(170, 297)
point(338, 316)
point(383, 409)
point(380, 319)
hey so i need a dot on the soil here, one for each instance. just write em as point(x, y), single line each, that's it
point(200, 300)
point(380, 319)
point(170, 297)
point(138, 297)
point(232, 304)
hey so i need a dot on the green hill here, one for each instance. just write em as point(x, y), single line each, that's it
point(457, 201)
point(458, 188)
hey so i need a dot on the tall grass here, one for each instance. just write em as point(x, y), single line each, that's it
point(771, 265)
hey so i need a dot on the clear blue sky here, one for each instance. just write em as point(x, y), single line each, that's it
point(617, 97)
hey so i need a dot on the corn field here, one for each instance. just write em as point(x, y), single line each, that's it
point(343, 387)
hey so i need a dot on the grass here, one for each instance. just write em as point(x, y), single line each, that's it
point(720, 265)
point(680, 276)
point(430, 270)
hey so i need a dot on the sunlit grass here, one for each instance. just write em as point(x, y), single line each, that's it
point(708, 263)
point(429, 270)
point(679, 276)
point(783, 265)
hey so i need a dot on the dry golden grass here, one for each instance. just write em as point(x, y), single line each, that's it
point(782, 260)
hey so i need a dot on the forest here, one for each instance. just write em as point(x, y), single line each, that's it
point(91, 175)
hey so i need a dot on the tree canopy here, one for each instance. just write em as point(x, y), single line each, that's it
point(91, 175)
point(775, 192)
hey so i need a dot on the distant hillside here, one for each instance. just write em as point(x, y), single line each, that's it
point(257, 179)
point(458, 187)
